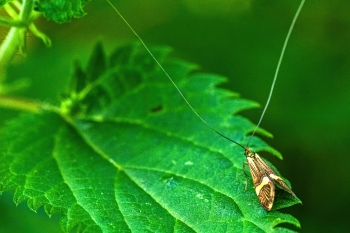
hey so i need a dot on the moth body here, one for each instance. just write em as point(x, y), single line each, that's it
point(264, 179)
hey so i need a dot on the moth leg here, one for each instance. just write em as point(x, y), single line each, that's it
point(245, 174)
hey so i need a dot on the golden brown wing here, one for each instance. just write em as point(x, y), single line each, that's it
point(264, 187)
point(266, 170)
point(281, 184)
point(265, 192)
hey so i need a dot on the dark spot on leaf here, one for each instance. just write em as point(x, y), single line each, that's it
point(157, 108)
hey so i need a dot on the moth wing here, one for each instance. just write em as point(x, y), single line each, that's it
point(272, 175)
point(264, 187)
point(256, 170)
point(280, 183)
point(265, 192)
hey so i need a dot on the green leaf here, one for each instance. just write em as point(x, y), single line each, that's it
point(126, 154)
point(61, 11)
point(3, 2)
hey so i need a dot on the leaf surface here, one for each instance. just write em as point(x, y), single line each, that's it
point(126, 154)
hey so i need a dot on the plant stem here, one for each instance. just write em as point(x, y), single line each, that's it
point(15, 38)
point(11, 22)
point(20, 104)
point(27, 105)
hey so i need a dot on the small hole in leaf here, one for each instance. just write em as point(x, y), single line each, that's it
point(157, 108)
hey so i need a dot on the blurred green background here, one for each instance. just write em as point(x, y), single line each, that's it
point(242, 40)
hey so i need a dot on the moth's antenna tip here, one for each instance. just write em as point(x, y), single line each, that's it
point(278, 67)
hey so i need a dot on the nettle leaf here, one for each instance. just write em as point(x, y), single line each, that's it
point(61, 11)
point(126, 154)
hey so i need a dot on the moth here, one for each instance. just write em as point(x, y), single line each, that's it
point(264, 178)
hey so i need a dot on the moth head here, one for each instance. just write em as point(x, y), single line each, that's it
point(249, 153)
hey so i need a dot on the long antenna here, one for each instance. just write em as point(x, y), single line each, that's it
point(277, 68)
point(182, 95)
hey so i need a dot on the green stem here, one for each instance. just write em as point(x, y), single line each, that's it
point(11, 22)
point(26, 11)
point(15, 38)
point(27, 105)
point(19, 104)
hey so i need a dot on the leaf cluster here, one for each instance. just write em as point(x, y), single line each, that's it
point(61, 11)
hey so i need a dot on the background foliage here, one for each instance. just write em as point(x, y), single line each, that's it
point(308, 115)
